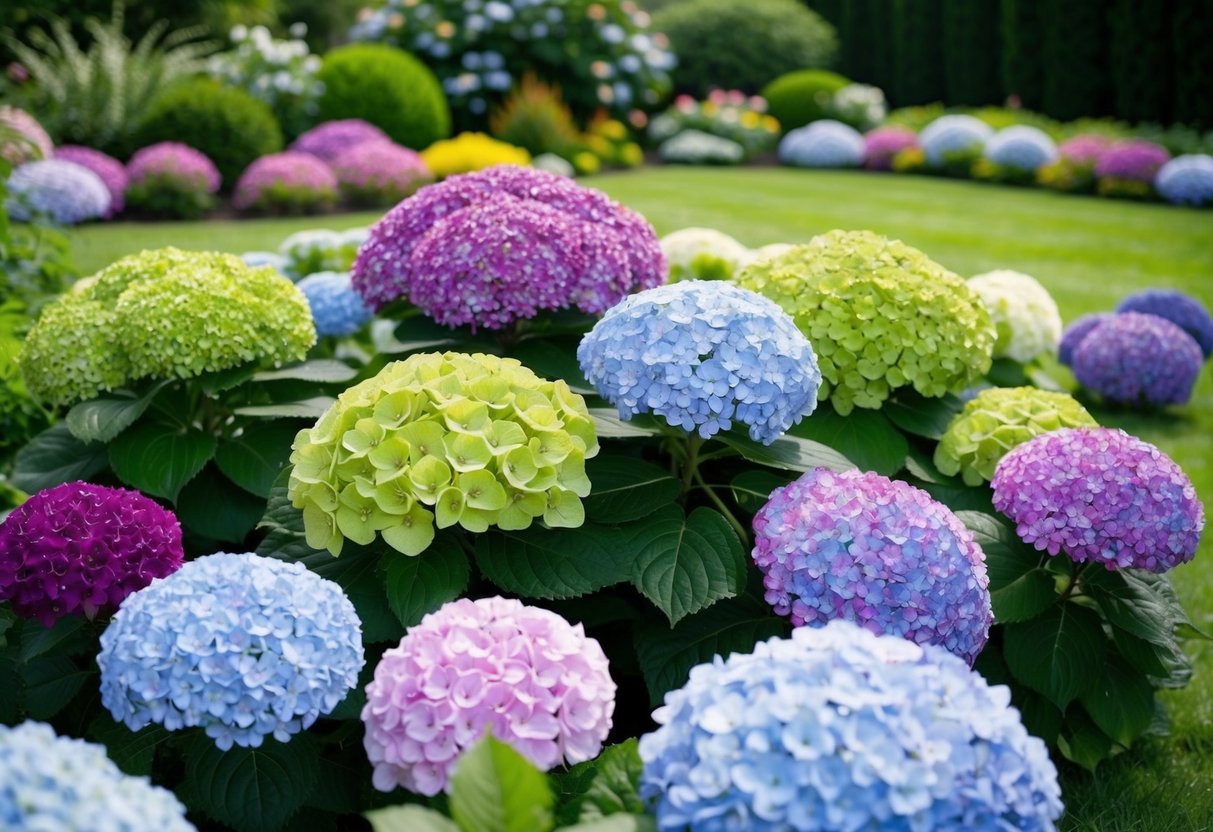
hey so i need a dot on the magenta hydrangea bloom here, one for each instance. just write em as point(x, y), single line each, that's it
point(1136, 160)
point(37, 143)
point(329, 140)
point(82, 548)
point(111, 171)
point(524, 673)
point(883, 143)
point(502, 244)
point(285, 180)
point(1135, 358)
point(174, 162)
point(1101, 495)
point(878, 552)
point(1075, 331)
point(380, 171)
point(1084, 149)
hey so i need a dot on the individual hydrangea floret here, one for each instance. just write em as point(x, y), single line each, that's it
point(130, 320)
point(81, 549)
point(703, 355)
point(50, 783)
point(1084, 149)
point(875, 551)
point(329, 140)
point(62, 191)
point(173, 164)
point(883, 143)
point(1186, 180)
point(289, 181)
point(501, 245)
point(695, 147)
point(495, 665)
point(839, 729)
point(478, 439)
point(1100, 495)
point(880, 315)
point(1078, 329)
point(999, 419)
point(1136, 160)
point(1024, 313)
point(1185, 311)
point(1138, 359)
point(380, 172)
point(31, 142)
point(1020, 147)
point(953, 134)
point(702, 254)
point(241, 645)
point(111, 171)
point(822, 144)
point(337, 310)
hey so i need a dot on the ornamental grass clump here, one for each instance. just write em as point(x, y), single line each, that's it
point(1186, 180)
point(50, 783)
point(58, 190)
point(329, 140)
point(110, 170)
point(702, 254)
point(337, 310)
point(81, 549)
point(526, 675)
point(440, 440)
point(241, 645)
point(286, 182)
point(1138, 360)
point(1185, 311)
point(129, 322)
point(836, 728)
point(880, 315)
point(497, 247)
point(1100, 495)
point(822, 144)
point(379, 173)
point(998, 420)
point(878, 552)
point(703, 355)
point(1024, 313)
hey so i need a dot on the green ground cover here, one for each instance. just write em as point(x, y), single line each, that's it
point(1089, 252)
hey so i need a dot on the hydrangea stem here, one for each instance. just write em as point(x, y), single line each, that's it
point(741, 530)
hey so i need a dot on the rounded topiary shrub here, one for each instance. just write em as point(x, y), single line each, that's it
point(226, 124)
point(388, 88)
point(722, 43)
point(802, 96)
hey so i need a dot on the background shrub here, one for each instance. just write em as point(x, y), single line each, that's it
point(802, 96)
point(535, 117)
point(387, 87)
point(972, 42)
point(1022, 36)
point(918, 52)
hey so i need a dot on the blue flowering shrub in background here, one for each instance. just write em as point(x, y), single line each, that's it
point(63, 192)
point(1185, 311)
point(1186, 180)
point(822, 144)
point(336, 308)
point(1021, 148)
point(953, 137)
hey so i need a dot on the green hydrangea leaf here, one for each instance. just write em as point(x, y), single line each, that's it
point(159, 459)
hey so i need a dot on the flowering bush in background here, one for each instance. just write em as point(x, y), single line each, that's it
point(110, 170)
point(702, 254)
point(1024, 313)
point(171, 179)
point(288, 182)
point(883, 143)
point(1138, 359)
point(1186, 312)
point(953, 138)
point(1021, 148)
point(694, 147)
point(822, 144)
point(470, 152)
point(29, 142)
point(282, 73)
point(1085, 148)
point(379, 173)
point(320, 250)
point(1073, 334)
point(1186, 180)
point(60, 191)
point(336, 308)
point(331, 139)
point(729, 114)
point(1128, 168)
point(862, 106)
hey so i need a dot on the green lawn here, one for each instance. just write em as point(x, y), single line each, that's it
point(1089, 252)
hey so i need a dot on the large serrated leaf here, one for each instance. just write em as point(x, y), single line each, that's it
point(552, 563)
point(1121, 702)
point(419, 585)
point(789, 453)
point(100, 420)
point(319, 370)
point(213, 507)
point(496, 789)
point(133, 751)
point(626, 488)
point(54, 457)
point(1020, 588)
point(608, 425)
point(865, 437)
point(615, 785)
point(410, 819)
point(1060, 653)
point(159, 459)
point(921, 416)
point(252, 789)
point(50, 683)
point(254, 459)
point(312, 408)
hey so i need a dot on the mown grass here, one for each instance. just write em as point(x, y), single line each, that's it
point(1089, 252)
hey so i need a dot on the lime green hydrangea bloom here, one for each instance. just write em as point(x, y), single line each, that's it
point(996, 421)
point(442, 439)
point(163, 314)
point(880, 315)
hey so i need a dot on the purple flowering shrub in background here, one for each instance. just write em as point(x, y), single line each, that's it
point(171, 179)
point(1128, 168)
point(61, 191)
point(1185, 311)
point(330, 139)
point(379, 172)
point(1138, 359)
point(287, 182)
point(112, 172)
point(1084, 149)
point(883, 143)
point(1078, 329)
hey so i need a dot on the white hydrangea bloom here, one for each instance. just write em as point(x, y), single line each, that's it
point(688, 250)
point(1024, 314)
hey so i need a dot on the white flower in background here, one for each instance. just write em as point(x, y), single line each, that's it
point(1025, 314)
point(702, 253)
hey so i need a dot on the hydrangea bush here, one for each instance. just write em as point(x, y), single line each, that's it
point(729, 114)
point(822, 144)
point(1186, 180)
point(1185, 311)
point(61, 191)
point(1129, 168)
point(321, 250)
point(1024, 313)
point(288, 182)
point(32, 142)
point(1020, 147)
point(883, 143)
point(702, 253)
point(1138, 359)
point(862, 106)
point(695, 147)
point(171, 178)
point(280, 72)
point(953, 136)
point(379, 173)
point(112, 172)
point(331, 139)
point(1075, 331)
point(337, 310)
point(1084, 149)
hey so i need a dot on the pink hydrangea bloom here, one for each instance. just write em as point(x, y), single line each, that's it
point(380, 171)
point(265, 183)
point(883, 143)
point(112, 172)
point(174, 162)
point(329, 140)
point(1135, 160)
point(1085, 149)
point(37, 144)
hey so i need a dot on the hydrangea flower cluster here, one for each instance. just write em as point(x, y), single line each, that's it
point(1136, 160)
point(321, 250)
point(175, 166)
point(1021, 148)
point(282, 73)
point(129, 321)
point(953, 134)
point(860, 105)
point(1084, 149)
point(287, 181)
point(883, 143)
point(1185, 311)
point(1186, 180)
point(727, 114)
point(822, 144)
point(535, 681)
point(501, 245)
point(62, 191)
point(241, 645)
point(479, 439)
point(36, 142)
point(110, 170)
point(50, 783)
point(337, 310)
point(331, 139)
point(836, 728)
point(879, 552)
point(1024, 313)
point(880, 314)
point(470, 152)
point(380, 172)
point(1100, 495)
point(1136, 359)
point(81, 548)
point(702, 254)
point(1078, 329)
point(999, 419)
point(702, 355)
point(695, 147)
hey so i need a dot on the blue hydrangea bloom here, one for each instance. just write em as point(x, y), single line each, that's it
point(242, 645)
point(1186, 180)
point(839, 729)
point(1078, 329)
point(953, 134)
point(51, 783)
point(703, 354)
point(273, 259)
point(1138, 359)
point(336, 308)
point(65, 192)
point(822, 144)
point(1021, 147)
point(1185, 311)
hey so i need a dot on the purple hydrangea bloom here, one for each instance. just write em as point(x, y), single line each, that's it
point(1078, 329)
point(329, 140)
point(883, 143)
point(1021, 147)
point(1085, 149)
point(242, 645)
point(336, 307)
point(822, 144)
point(703, 354)
point(174, 163)
point(111, 171)
point(1099, 494)
point(502, 244)
point(879, 552)
point(1136, 160)
point(1187, 180)
point(292, 179)
point(524, 673)
point(1184, 311)
point(953, 134)
point(1133, 358)
point(37, 143)
point(380, 171)
point(63, 191)
point(839, 729)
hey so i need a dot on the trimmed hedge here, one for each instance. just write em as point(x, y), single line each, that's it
point(792, 98)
